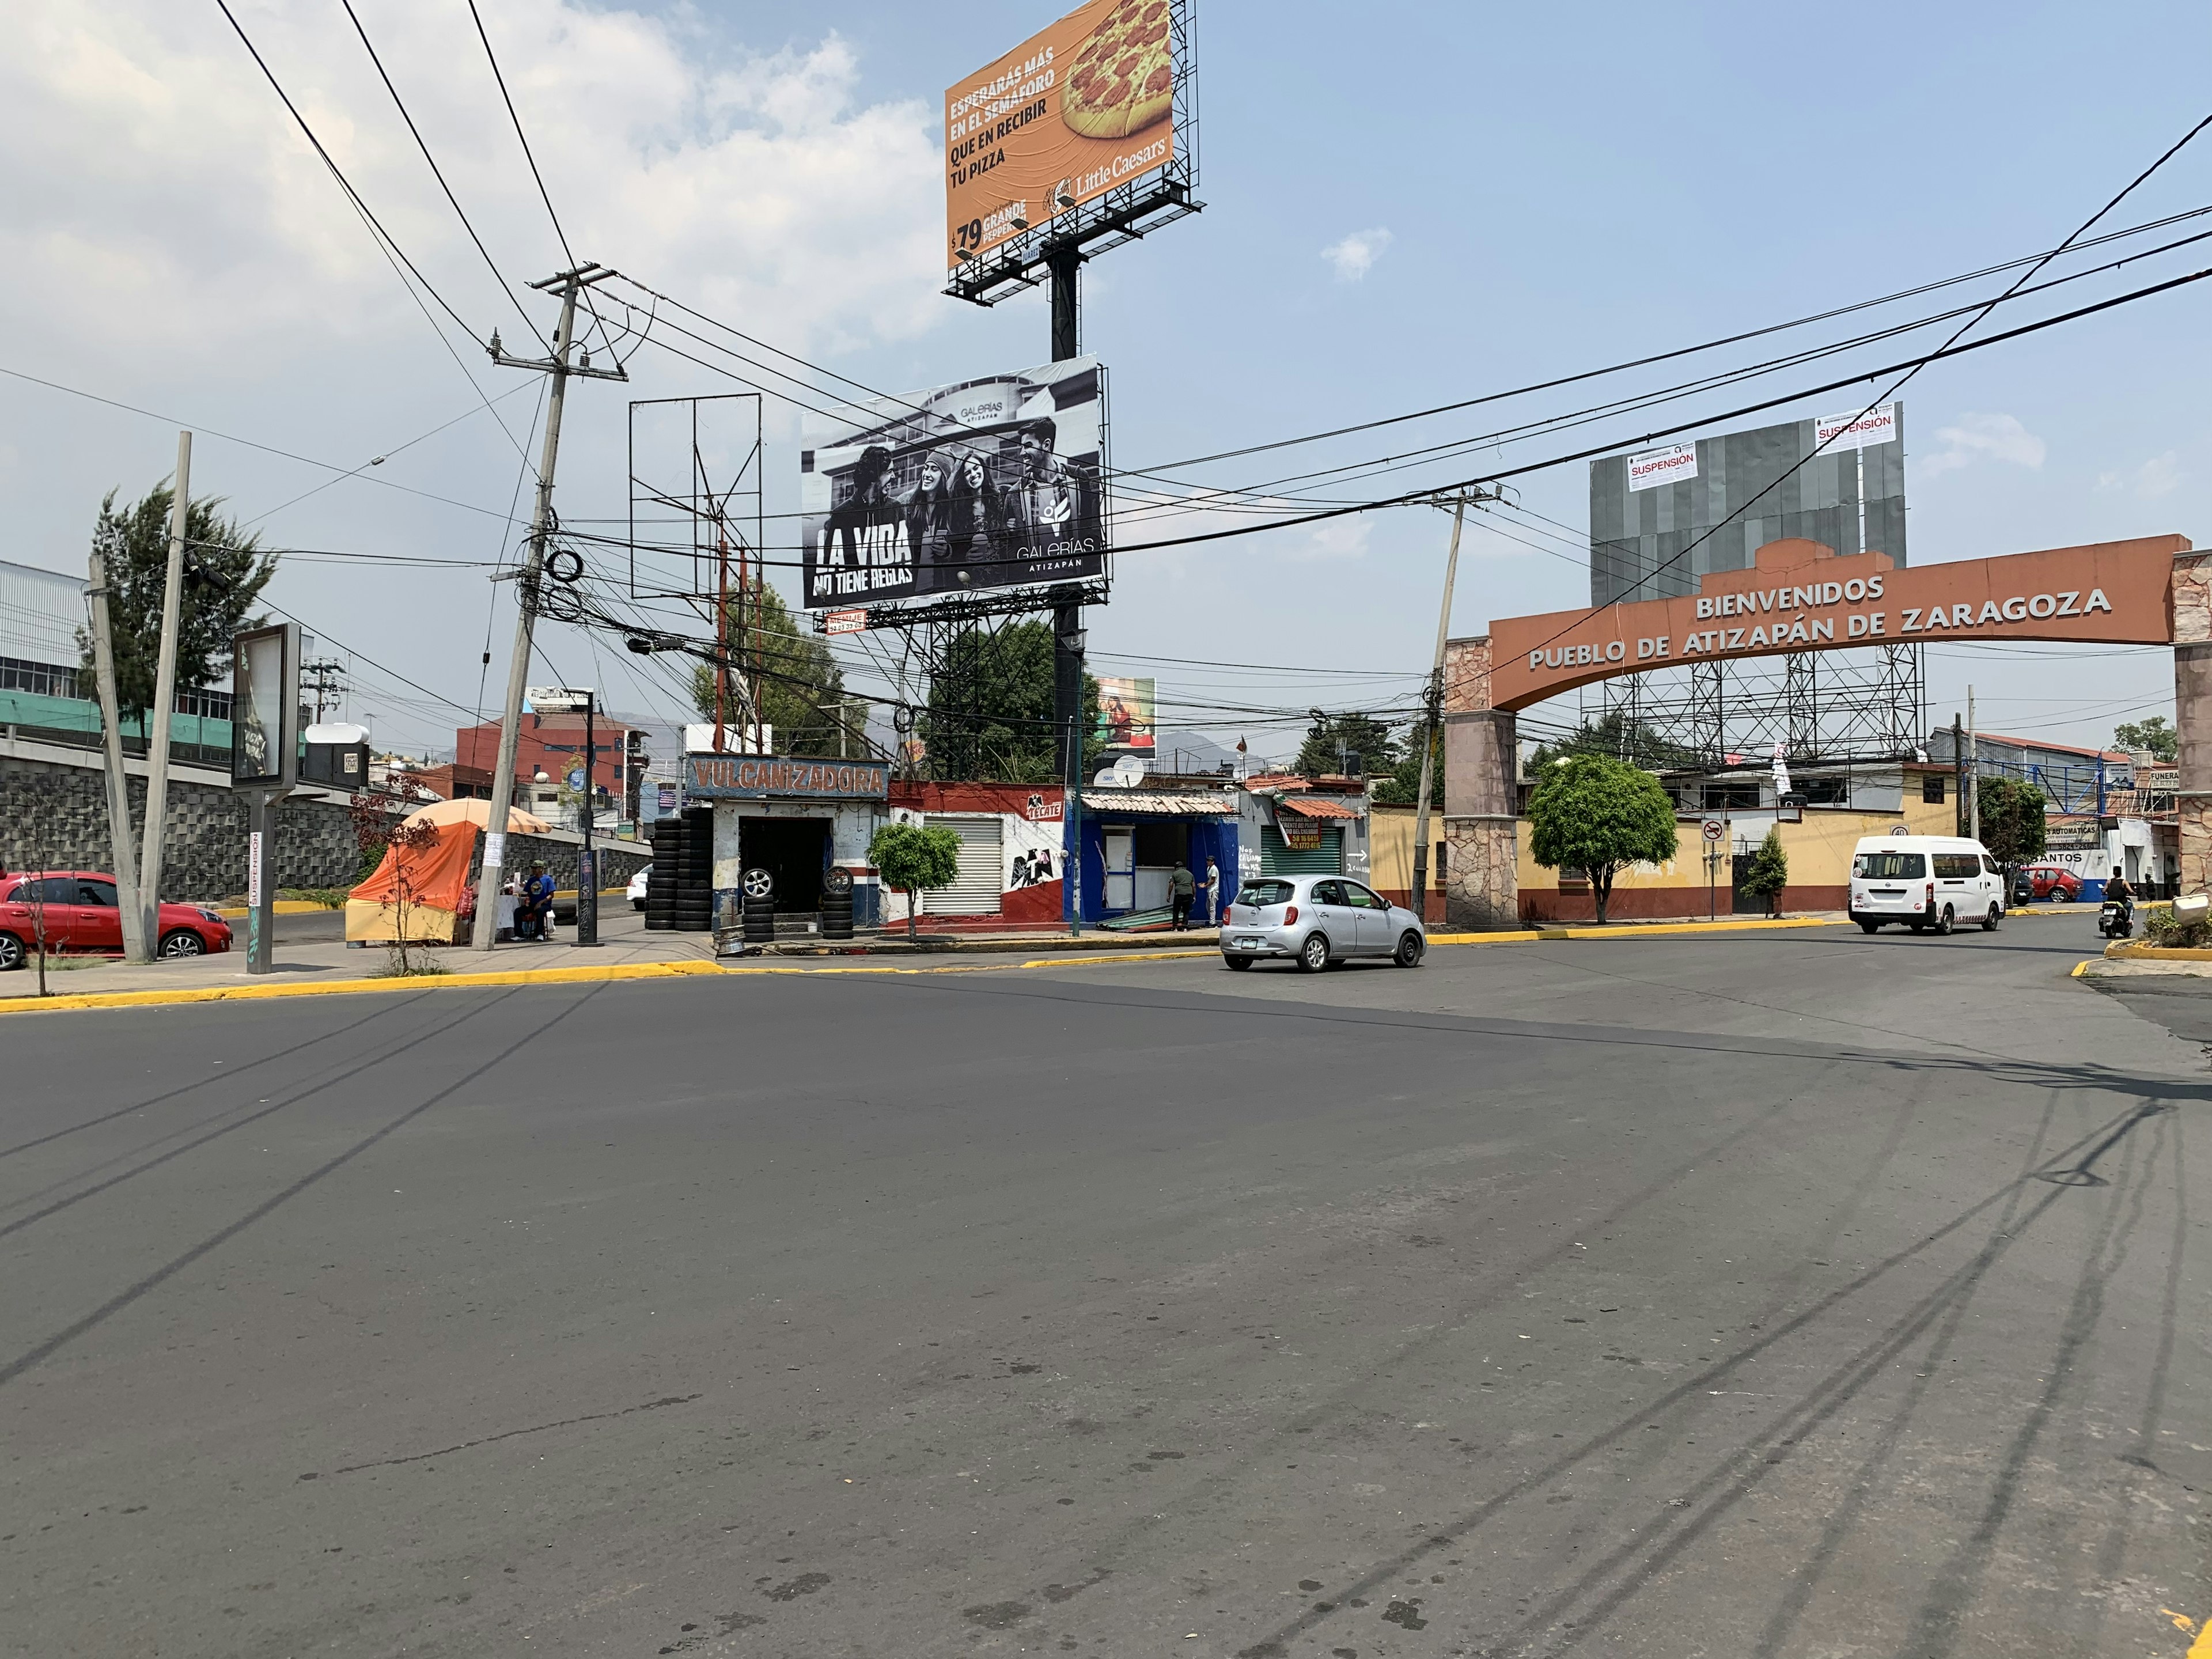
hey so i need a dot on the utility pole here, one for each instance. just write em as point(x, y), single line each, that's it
point(165, 700)
point(587, 866)
point(569, 284)
point(1436, 710)
point(1974, 773)
point(1065, 260)
point(118, 787)
point(1959, 773)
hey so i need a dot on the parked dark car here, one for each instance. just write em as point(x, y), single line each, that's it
point(81, 916)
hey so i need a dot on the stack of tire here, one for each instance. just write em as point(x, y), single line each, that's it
point(695, 870)
point(837, 904)
point(758, 888)
point(660, 880)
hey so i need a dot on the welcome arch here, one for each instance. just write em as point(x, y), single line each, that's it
point(1800, 596)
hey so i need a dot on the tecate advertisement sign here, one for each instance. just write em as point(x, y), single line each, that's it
point(1857, 430)
point(1074, 111)
point(992, 483)
point(1663, 466)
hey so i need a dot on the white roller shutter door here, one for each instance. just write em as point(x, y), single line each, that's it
point(977, 890)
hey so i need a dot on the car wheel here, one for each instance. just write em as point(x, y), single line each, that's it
point(183, 942)
point(1869, 928)
point(1408, 953)
point(11, 953)
point(637, 904)
point(1989, 922)
point(1240, 964)
point(1946, 921)
point(1313, 955)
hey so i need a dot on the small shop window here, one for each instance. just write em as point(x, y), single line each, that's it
point(1742, 797)
point(1825, 792)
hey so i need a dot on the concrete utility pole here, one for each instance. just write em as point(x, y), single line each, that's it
point(118, 786)
point(165, 701)
point(569, 283)
point(1419, 895)
point(1974, 773)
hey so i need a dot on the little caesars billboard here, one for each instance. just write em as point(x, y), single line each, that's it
point(1073, 111)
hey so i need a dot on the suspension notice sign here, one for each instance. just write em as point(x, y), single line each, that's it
point(846, 621)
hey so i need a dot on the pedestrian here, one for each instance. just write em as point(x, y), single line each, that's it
point(1183, 887)
point(1213, 894)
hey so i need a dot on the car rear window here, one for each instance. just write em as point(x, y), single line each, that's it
point(1264, 892)
point(1889, 866)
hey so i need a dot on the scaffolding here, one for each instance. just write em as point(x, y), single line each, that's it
point(1816, 706)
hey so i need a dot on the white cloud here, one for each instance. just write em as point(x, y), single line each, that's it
point(1355, 256)
point(1979, 437)
point(2159, 475)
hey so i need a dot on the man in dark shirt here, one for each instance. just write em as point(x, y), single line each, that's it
point(865, 553)
point(1183, 887)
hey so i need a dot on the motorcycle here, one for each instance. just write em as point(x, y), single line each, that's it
point(2116, 919)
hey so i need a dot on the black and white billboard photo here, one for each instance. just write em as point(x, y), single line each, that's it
point(993, 483)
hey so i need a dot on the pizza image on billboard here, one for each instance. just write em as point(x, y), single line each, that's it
point(1081, 108)
point(996, 481)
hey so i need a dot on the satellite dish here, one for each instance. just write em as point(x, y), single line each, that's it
point(1129, 771)
point(1105, 778)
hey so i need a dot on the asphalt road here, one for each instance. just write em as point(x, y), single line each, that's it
point(1782, 1294)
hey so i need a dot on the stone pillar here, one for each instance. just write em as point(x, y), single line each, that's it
point(1481, 772)
point(2192, 716)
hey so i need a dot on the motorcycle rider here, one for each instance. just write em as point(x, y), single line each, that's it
point(2117, 891)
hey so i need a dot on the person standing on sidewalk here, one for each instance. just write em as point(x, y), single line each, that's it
point(1183, 887)
point(1213, 894)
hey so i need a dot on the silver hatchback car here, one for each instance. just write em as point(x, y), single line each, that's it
point(1315, 920)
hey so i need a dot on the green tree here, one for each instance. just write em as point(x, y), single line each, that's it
point(1615, 733)
point(225, 571)
point(2156, 734)
point(1598, 814)
point(2013, 822)
point(1403, 787)
point(1770, 871)
point(914, 860)
point(802, 690)
point(989, 719)
point(1334, 738)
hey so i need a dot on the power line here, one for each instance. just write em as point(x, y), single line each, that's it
point(438, 173)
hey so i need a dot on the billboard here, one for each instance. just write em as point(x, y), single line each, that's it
point(1076, 111)
point(1127, 721)
point(993, 483)
point(1722, 499)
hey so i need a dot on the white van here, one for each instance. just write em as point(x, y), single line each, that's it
point(1941, 882)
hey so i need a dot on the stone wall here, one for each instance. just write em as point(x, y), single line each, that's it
point(619, 859)
point(54, 816)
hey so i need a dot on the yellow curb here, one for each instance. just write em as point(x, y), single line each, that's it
point(2121, 951)
point(1072, 960)
point(330, 987)
point(2080, 968)
point(1639, 930)
point(1484, 938)
point(290, 908)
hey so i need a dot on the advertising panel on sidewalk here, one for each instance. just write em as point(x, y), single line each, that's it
point(991, 482)
point(1078, 109)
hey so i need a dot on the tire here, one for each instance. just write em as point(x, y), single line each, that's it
point(1869, 929)
point(181, 942)
point(637, 904)
point(1989, 922)
point(11, 953)
point(1946, 922)
point(1410, 947)
point(1313, 955)
point(660, 925)
point(1238, 963)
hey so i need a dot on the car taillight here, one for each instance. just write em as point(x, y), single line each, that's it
point(1931, 896)
point(1290, 915)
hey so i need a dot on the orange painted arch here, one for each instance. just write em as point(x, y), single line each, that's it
point(1800, 596)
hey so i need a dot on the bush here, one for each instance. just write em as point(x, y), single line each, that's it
point(1769, 872)
point(913, 859)
point(2159, 929)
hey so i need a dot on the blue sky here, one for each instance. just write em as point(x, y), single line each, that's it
point(1541, 190)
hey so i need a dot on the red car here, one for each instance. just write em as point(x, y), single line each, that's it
point(81, 916)
point(2051, 881)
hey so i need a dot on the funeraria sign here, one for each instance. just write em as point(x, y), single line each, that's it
point(1800, 597)
point(756, 777)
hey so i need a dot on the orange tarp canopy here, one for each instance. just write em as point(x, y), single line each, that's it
point(437, 875)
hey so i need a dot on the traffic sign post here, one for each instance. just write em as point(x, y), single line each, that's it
point(1714, 832)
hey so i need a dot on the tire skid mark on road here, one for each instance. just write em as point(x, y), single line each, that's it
point(215, 1241)
point(1827, 1397)
point(347, 1069)
point(229, 1074)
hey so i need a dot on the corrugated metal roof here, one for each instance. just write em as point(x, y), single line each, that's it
point(1310, 806)
point(41, 611)
point(1157, 803)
